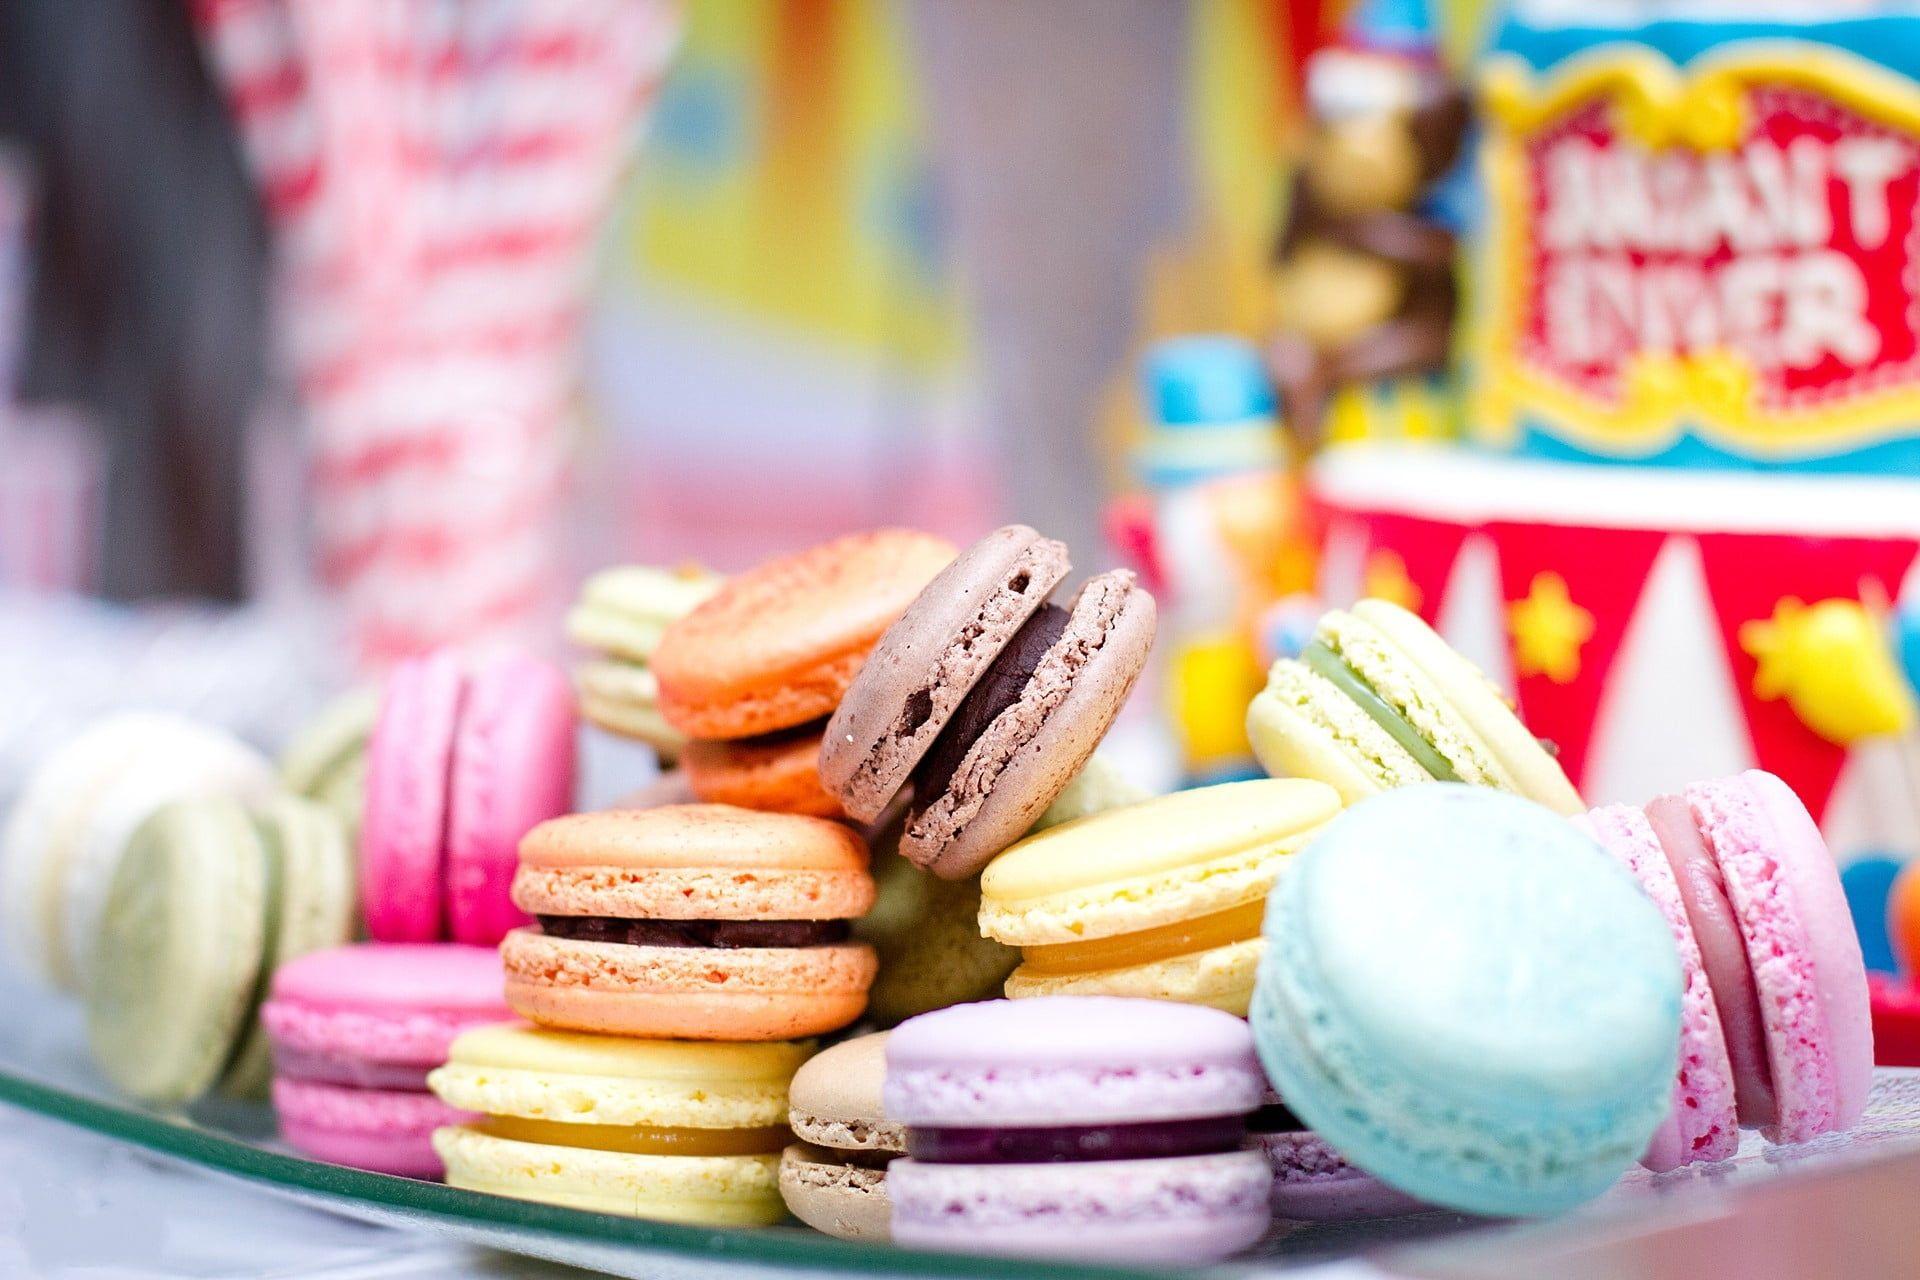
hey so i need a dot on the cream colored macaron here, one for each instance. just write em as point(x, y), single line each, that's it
point(1160, 899)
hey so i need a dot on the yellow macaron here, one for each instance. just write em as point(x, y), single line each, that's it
point(1160, 899)
point(675, 1130)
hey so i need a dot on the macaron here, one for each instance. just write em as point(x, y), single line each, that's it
point(676, 1130)
point(703, 921)
point(778, 772)
point(1311, 1181)
point(209, 900)
point(926, 930)
point(1779, 1027)
point(354, 1031)
point(834, 1178)
point(1378, 700)
point(1159, 899)
point(621, 614)
point(327, 760)
point(70, 827)
point(777, 646)
point(1093, 1129)
point(1467, 998)
point(986, 698)
point(465, 759)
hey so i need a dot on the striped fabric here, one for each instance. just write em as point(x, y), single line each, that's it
point(435, 173)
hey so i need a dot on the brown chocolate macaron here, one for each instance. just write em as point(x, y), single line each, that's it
point(985, 699)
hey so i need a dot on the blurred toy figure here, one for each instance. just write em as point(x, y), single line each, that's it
point(1364, 265)
point(1219, 532)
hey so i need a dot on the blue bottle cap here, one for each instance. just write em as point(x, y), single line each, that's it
point(1907, 641)
point(1206, 379)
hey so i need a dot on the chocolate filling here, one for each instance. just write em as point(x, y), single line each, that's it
point(784, 737)
point(1152, 1140)
point(696, 933)
point(998, 688)
point(1275, 1118)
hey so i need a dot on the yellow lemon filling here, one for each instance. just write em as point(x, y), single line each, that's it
point(1148, 946)
point(640, 1139)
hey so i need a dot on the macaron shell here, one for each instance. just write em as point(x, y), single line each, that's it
point(625, 610)
point(315, 910)
point(386, 1131)
point(779, 645)
point(1300, 726)
point(742, 993)
point(1702, 1124)
point(835, 1098)
point(384, 1003)
point(1069, 1061)
point(716, 1191)
point(535, 1073)
point(1164, 860)
point(179, 950)
point(694, 862)
point(779, 774)
point(929, 659)
point(1219, 978)
point(513, 768)
point(1831, 938)
point(409, 772)
point(1193, 1209)
point(331, 742)
point(847, 1201)
point(1032, 751)
point(180, 762)
point(1535, 774)
point(1314, 1183)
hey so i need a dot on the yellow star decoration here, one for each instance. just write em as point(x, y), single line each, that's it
point(1832, 664)
point(1548, 630)
point(1386, 579)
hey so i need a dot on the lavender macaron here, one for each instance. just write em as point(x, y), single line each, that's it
point(1082, 1127)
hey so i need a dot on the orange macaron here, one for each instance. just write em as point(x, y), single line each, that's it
point(779, 772)
point(778, 645)
point(701, 921)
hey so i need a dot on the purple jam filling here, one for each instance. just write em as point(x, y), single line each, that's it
point(1152, 1140)
point(358, 1073)
point(1275, 1118)
point(696, 933)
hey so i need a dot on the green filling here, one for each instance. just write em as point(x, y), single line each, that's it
point(1327, 664)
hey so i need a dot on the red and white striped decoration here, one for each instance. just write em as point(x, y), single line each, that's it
point(435, 172)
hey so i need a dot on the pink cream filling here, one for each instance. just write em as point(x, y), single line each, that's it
point(1723, 952)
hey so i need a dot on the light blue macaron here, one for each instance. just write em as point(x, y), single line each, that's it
point(1470, 1000)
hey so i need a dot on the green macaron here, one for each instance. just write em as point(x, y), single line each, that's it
point(209, 899)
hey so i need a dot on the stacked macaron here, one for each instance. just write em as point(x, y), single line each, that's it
point(984, 700)
point(1158, 899)
point(1091, 1128)
point(653, 928)
point(210, 898)
point(1777, 1032)
point(465, 758)
point(1377, 700)
point(834, 1178)
point(1466, 998)
point(753, 672)
point(619, 619)
point(354, 1032)
point(74, 819)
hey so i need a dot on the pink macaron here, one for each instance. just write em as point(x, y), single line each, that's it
point(1778, 1029)
point(354, 1032)
point(464, 760)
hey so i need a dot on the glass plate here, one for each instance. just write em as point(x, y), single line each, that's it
point(43, 1068)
